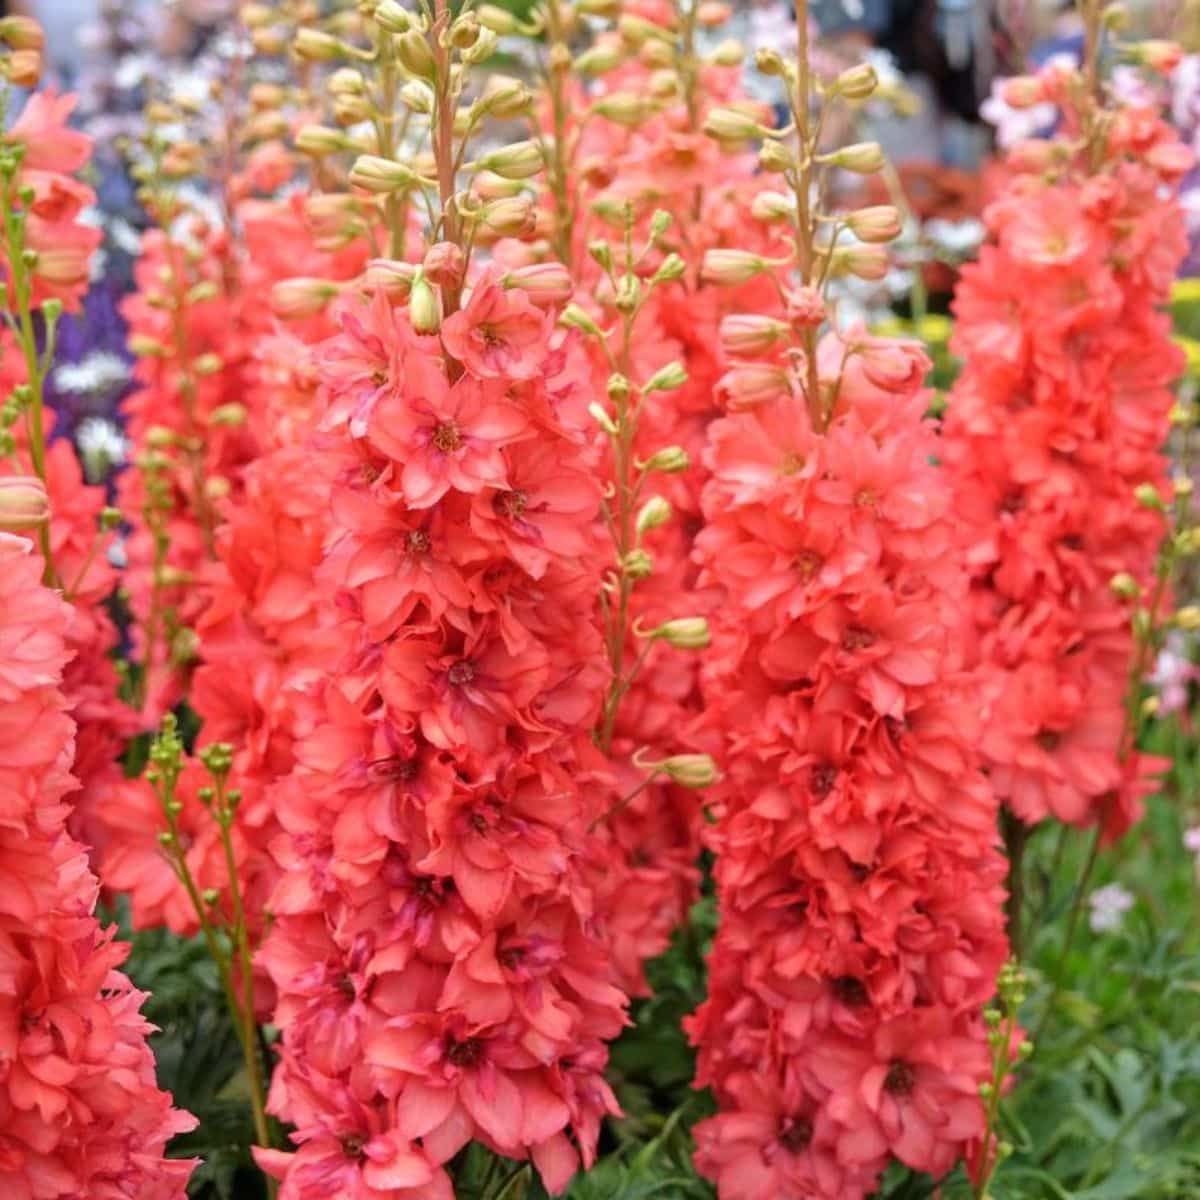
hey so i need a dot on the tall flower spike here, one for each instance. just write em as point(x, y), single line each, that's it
point(858, 878)
point(1055, 438)
point(81, 1115)
point(436, 944)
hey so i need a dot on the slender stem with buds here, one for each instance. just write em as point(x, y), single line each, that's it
point(36, 365)
point(558, 169)
point(805, 225)
point(443, 146)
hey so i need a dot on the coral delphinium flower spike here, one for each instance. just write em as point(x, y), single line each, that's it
point(435, 947)
point(858, 877)
point(628, 145)
point(47, 247)
point(80, 1114)
point(1055, 438)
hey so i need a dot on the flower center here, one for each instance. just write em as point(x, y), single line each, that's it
point(352, 1145)
point(795, 1134)
point(446, 437)
point(461, 673)
point(345, 985)
point(489, 336)
point(851, 992)
point(808, 563)
point(824, 776)
point(857, 637)
point(511, 504)
point(1049, 740)
point(394, 768)
point(465, 1053)
point(900, 1079)
point(417, 542)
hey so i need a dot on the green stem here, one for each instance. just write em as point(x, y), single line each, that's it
point(1072, 925)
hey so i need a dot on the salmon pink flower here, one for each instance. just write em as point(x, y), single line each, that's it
point(499, 333)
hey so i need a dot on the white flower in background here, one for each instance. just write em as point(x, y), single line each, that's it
point(955, 239)
point(1191, 843)
point(102, 446)
point(1173, 672)
point(100, 371)
point(1015, 124)
point(1109, 905)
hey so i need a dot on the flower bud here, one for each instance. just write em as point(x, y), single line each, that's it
point(769, 62)
point(313, 45)
point(389, 276)
point(627, 109)
point(380, 175)
point(574, 317)
point(207, 364)
point(1115, 17)
point(773, 206)
point(510, 217)
point(670, 460)
point(1187, 617)
point(636, 30)
point(775, 157)
point(753, 384)
point(24, 503)
point(729, 53)
point(521, 160)
point(317, 141)
point(1023, 91)
point(856, 83)
point(599, 59)
point(351, 110)
point(415, 55)
point(602, 418)
point(684, 633)
point(423, 308)
point(22, 33)
point(1156, 54)
point(228, 416)
point(731, 266)
point(629, 293)
point(498, 20)
point(732, 125)
point(1124, 585)
point(653, 514)
point(671, 268)
point(879, 223)
point(505, 97)
point(863, 158)
point(637, 564)
point(144, 346)
point(22, 68)
point(864, 262)
point(417, 97)
point(544, 283)
point(392, 17)
point(346, 81)
point(482, 48)
point(1146, 494)
point(444, 263)
point(690, 770)
point(656, 56)
point(667, 378)
point(749, 335)
point(464, 31)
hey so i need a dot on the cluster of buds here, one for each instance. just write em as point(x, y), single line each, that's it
point(773, 356)
point(21, 60)
point(625, 287)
